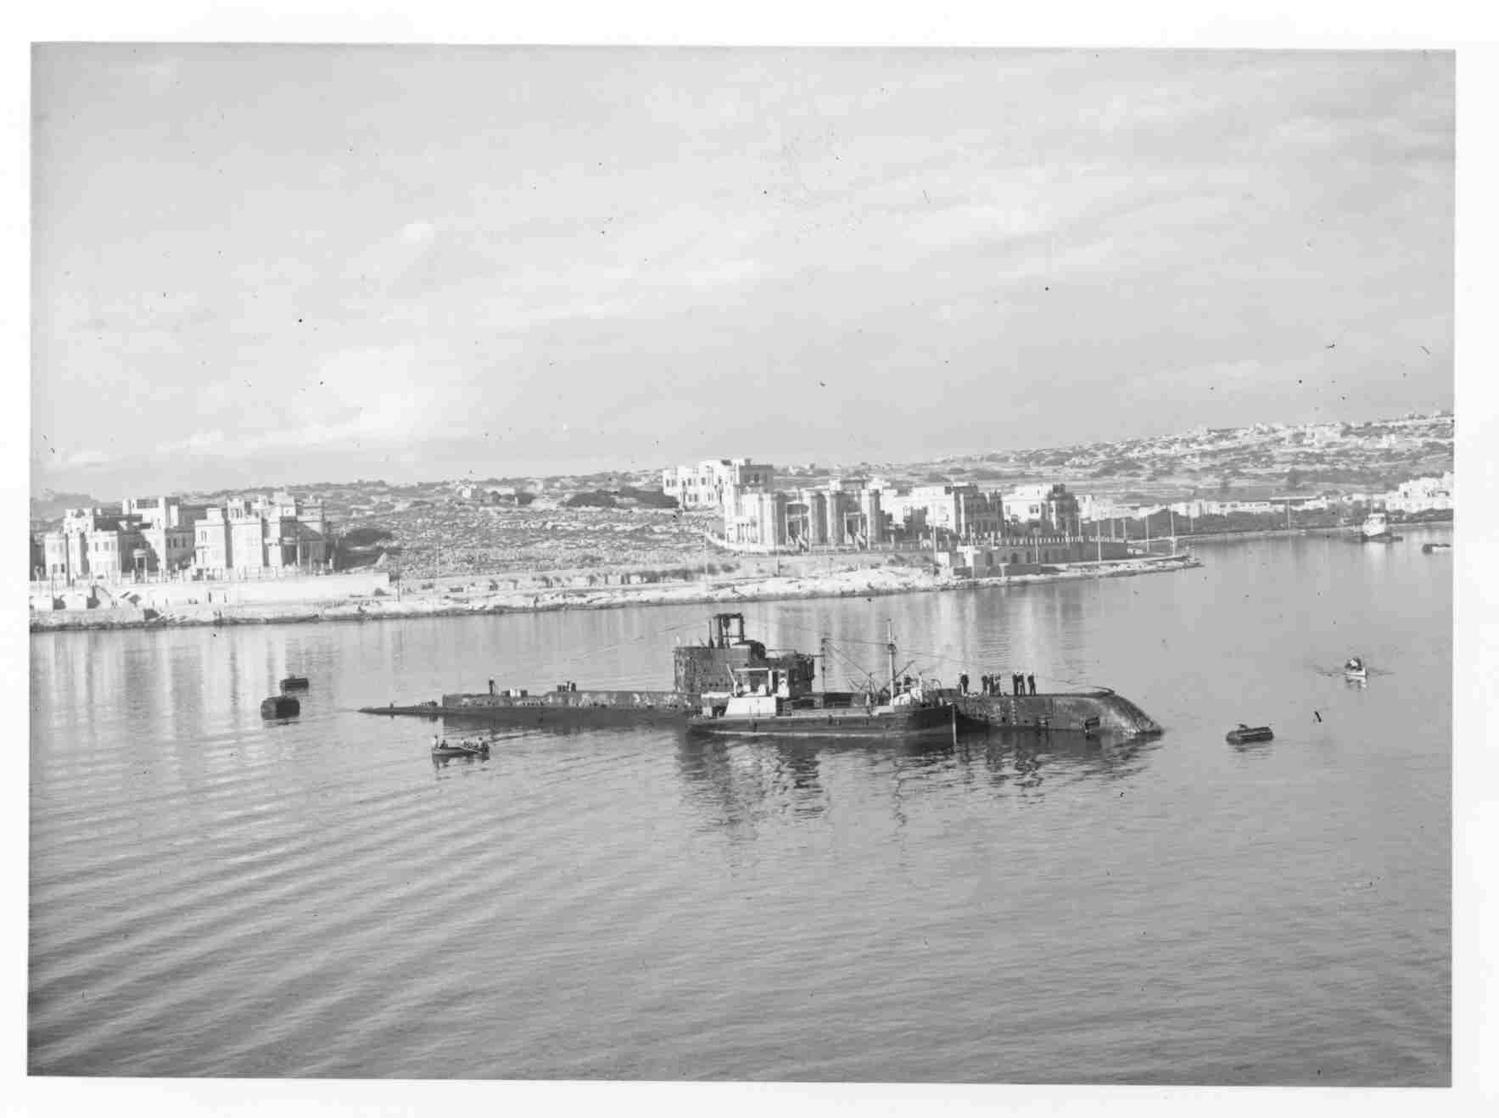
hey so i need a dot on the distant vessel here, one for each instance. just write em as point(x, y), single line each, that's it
point(1376, 529)
point(294, 683)
point(465, 748)
point(1355, 669)
point(1249, 733)
point(1428, 548)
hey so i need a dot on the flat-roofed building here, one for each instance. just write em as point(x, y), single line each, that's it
point(844, 514)
point(212, 544)
point(118, 550)
point(169, 548)
point(263, 533)
point(166, 512)
point(962, 510)
point(757, 518)
point(712, 483)
point(1425, 494)
point(1048, 507)
point(86, 545)
point(65, 554)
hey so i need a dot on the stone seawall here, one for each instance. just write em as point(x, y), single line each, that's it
point(366, 596)
point(166, 597)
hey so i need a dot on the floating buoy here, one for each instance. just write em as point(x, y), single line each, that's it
point(280, 706)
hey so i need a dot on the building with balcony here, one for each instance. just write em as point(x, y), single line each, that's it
point(147, 534)
point(90, 543)
point(1424, 494)
point(164, 512)
point(260, 534)
point(845, 513)
point(708, 484)
point(960, 510)
point(1049, 508)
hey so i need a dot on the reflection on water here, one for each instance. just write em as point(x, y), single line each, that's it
point(440, 763)
point(215, 895)
point(1026, 761)
point(740, 781)
point(734, 785)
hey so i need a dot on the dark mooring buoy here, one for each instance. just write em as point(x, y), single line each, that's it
point(280, 706)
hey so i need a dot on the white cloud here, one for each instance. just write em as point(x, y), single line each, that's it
point(383, 261)
point(199, 442)
point(418, 232)
point(80, 459)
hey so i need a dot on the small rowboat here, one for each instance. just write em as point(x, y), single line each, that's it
point(1249, 733)
point(294, 683)
point(461, 749)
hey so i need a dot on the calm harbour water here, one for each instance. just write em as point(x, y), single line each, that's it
point(216, 896)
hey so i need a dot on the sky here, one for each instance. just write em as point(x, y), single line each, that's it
point(258, 265)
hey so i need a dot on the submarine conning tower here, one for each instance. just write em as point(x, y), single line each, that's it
point(710, 667)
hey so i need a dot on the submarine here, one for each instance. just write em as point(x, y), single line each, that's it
point(706, 674)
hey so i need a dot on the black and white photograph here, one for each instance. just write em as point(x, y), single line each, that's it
point(743, 563)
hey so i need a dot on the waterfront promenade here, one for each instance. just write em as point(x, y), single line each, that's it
point(371, 595)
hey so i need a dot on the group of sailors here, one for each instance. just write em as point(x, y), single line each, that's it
point(905, 686)
point(1020, 683)
point(468, 744)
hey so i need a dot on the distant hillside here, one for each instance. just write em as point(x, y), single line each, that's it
point(51, 504)
point(1264, 459)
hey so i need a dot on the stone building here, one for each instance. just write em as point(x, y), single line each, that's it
point(845, 513)
point(709, 484)
point(261, 534)
point(153, 535)
point(1050, 508)
point(92, 543)
point(1424, 494)
point(961, 510)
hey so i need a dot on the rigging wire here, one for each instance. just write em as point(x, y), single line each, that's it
point(923, 657)
point(642, 638)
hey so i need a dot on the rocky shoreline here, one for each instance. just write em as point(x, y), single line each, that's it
point(440, 602)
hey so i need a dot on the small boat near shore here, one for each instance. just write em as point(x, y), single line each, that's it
point(1429, 548)
point(1244, 734)
point(294, 683)
point(1376, 529)
point(465, 748)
